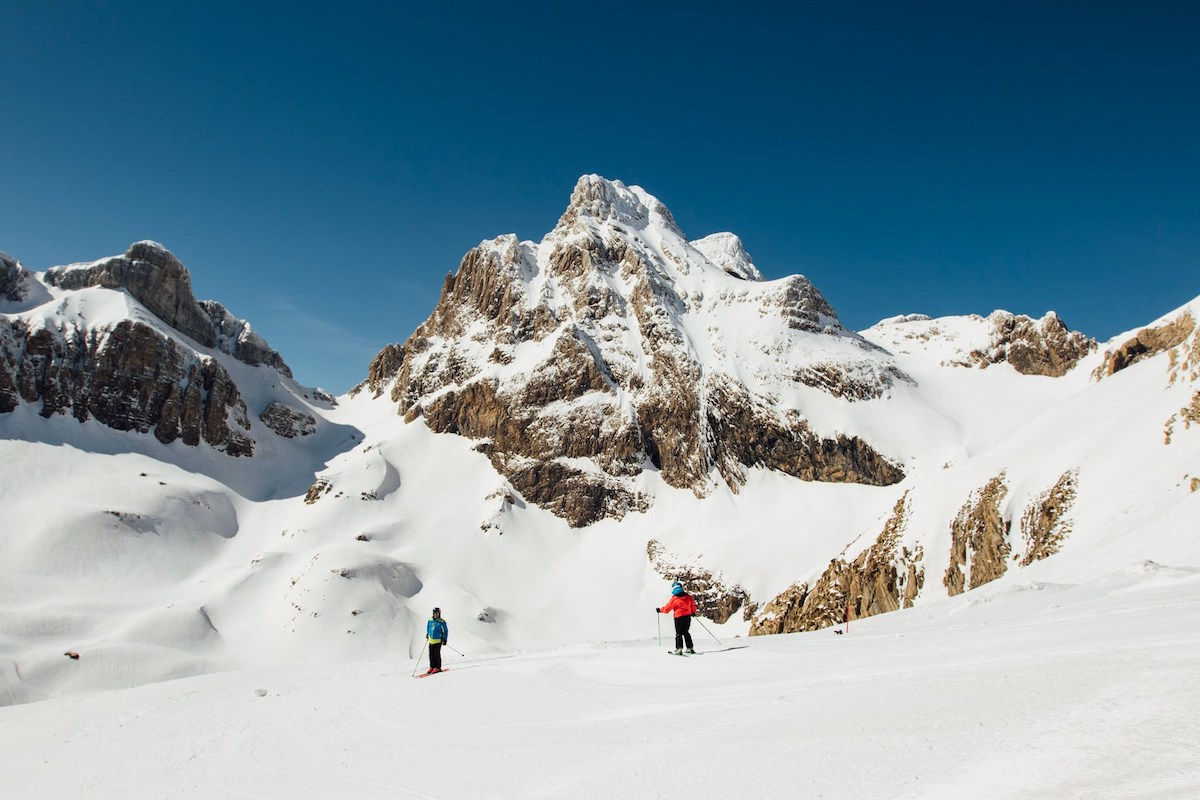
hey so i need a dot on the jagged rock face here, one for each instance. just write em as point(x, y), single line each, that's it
point(288, 422)
point(1147, 343)
point(130, 378)
point(1045, 524)
point(581, 361)
point(715, 599)
point(1033, 347)
point(163, 285)
point(885, 577)
point(979, 539)
point(1036, 347)
point(12, 279)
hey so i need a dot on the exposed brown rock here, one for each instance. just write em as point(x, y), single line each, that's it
point(884, 577)
point(1189, 414)
point(783, 613)
point(384, 366)
point(715, 599)
point(979, 537)
point(1034, 347)
point(803, 306)
point(578, 497)
point(319, 489)
point(1044, 524)
point(130, 378)
point(835, 381)
point(288, 422)
point(746, 433)
point(1147, 343)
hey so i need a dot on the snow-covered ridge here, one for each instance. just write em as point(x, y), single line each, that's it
point(122, 342)
point(156, 278)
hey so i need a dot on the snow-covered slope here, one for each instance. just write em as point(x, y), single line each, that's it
point(449, 480)
point(1017, 690)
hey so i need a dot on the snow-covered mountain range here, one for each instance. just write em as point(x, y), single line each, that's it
point(579, 421)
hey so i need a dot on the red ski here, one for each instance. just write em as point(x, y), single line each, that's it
point(429, 674)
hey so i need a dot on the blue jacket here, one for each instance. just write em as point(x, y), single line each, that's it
point(437, 631)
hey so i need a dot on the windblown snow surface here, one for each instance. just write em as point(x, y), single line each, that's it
point(236, 641)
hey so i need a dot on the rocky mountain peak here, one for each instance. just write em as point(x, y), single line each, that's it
point(597, 200)
point(615, 345)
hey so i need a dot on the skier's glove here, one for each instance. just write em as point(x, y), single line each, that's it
point(658, 611)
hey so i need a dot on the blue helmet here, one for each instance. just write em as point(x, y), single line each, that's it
point(677, 589)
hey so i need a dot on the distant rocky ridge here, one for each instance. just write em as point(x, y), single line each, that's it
point(130, 376)
point(1043, 346)
point(153, 275)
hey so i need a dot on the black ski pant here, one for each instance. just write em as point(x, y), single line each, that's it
point(682, 634)
point(435, 656)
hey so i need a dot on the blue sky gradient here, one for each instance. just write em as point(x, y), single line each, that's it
point(321, 167)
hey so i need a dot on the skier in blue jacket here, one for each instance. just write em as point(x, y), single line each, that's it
point(438, 633)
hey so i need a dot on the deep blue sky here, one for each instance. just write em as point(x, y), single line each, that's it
point(321, 167)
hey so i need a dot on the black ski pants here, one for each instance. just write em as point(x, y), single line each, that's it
point(435, 656)
point(682, 632)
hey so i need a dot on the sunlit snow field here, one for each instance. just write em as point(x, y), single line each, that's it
point(1021, 690)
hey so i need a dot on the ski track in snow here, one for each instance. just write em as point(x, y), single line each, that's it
point(1085, 691)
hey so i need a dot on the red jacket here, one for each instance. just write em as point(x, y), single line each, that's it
point(682, 606)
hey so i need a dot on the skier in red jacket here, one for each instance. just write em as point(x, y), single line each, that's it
point(683, 607)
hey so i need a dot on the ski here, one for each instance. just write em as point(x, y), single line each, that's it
point(673, 653)
point(430, 674)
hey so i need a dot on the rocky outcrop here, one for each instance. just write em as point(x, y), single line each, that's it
point(12, 279)
point(156, 278)
point(1147, 343)
point(130, 378)
point(979, 534)
point(715, 599)
point(885, 577)
point(288, 422)
point(383, 369)
point(1189, 415)
point(1033, 347)
point(1046, 522)
point(610, 382)
point(319, 488)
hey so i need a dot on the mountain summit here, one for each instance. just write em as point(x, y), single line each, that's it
point(615, 345)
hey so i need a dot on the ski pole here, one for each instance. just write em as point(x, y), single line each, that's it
point(448, 647)
point(419, 660)
point(710, 633)
point(658, 619)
